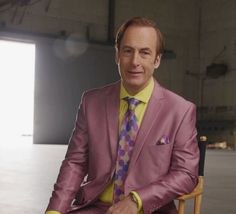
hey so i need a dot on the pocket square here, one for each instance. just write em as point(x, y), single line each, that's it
point(163, 140)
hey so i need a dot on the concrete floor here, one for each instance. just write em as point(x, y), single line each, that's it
point(28, 172)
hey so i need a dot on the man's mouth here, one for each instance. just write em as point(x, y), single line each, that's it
point(134, 72)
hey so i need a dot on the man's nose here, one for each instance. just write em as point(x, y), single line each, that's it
point(135, 59)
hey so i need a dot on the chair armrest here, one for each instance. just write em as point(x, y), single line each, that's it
point(197, 191)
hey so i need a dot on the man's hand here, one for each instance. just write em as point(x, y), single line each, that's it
point(126, 206)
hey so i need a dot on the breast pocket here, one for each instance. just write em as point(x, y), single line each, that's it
point(159, 156)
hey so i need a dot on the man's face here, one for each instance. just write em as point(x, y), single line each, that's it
point(137, 57)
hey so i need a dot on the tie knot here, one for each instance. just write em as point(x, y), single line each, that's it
point(132, 102)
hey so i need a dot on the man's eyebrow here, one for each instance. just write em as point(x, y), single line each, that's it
point(145, 49)
point(142, 49)
point(127, 46)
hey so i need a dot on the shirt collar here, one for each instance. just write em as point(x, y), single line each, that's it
point(143, 95)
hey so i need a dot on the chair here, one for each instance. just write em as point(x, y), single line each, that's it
point(198, 191)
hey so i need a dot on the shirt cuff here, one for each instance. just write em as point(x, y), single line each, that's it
point(52, 212)
point(138, 199)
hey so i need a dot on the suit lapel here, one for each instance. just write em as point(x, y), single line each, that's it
point(112, 115)
point(150, 116)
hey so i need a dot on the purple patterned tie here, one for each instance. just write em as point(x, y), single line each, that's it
point(127, 137)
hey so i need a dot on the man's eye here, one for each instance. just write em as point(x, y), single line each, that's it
point(127, 51)
point(145, 53)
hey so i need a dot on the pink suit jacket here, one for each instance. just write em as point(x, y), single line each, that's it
point(164, 163)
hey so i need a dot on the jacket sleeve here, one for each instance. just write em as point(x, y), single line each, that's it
point(74, 166)
point(183, 172)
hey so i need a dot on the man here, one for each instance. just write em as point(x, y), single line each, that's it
point(133, 149)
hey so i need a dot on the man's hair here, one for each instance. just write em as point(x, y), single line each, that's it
point(142, 22)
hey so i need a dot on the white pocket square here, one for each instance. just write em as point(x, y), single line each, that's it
point(163, 140)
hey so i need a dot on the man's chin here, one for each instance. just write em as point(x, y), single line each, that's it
point(133, 87)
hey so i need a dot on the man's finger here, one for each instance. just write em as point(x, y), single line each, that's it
point(109, 211)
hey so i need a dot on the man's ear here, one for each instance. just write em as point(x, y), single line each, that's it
point(157, 61)
point(117, 56)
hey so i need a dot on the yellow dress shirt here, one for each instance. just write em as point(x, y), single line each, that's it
point(143, 96)
point(52, 212)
